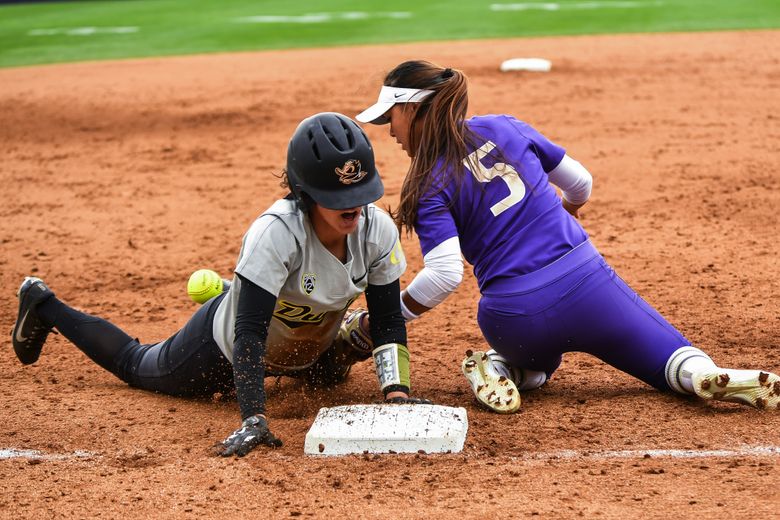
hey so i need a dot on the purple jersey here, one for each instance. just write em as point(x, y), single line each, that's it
point(508, 217)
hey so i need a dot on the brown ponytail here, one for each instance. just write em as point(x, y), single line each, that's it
point(438, 132)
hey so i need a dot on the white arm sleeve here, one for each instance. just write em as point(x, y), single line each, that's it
point(573, 179)
point(441, 275)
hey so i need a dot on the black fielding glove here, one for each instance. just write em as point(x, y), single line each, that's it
point(253, 432)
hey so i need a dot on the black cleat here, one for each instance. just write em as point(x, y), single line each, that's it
point(29, 332)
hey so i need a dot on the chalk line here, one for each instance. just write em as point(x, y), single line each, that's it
point(573, 455)
point(15, 453)
point(322, 17)
point(82, 31)
point(554, 6)
point(561, 455)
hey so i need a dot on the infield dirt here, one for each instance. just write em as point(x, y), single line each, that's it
point(121, 178)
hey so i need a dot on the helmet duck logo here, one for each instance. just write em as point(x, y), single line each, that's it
point(351, 173)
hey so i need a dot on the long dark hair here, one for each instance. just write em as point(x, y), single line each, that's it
point(304, 201)
point(438, 131)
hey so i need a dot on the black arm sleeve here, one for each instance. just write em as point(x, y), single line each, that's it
point(255, 310)
point(384, 306)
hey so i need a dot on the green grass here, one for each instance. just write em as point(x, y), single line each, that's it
point(171, 27)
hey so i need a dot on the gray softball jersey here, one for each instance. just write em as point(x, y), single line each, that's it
point(281, 254)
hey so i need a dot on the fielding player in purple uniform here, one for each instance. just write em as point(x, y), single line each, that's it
point(302, 263)
point(480, 187)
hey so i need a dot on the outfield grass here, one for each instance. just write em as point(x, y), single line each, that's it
point(75, 31)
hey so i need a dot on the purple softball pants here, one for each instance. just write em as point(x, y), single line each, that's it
point(577, 303)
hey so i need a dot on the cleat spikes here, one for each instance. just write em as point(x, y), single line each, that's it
point(759, 389)
point(491, 389)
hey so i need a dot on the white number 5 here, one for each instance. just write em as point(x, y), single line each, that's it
point(504, 171)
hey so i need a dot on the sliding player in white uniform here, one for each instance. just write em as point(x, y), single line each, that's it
point(302, 263)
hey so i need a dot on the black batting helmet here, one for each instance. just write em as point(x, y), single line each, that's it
point(331, 160)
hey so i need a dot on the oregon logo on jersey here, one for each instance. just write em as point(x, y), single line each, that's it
point(307, 282)
point(294, 315)
point(397, 254)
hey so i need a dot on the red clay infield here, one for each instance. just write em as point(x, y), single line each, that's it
point(121, 178)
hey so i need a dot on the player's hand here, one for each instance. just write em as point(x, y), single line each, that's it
point(407, 400)
point(253, 432)
point(402, 397)
point(573, 209)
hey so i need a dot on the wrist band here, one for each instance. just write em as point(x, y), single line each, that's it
point(392, 365)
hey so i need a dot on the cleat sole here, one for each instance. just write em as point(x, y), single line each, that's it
point(756, 388)
point(491, 390)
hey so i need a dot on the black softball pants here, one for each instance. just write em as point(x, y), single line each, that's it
point(189, 363)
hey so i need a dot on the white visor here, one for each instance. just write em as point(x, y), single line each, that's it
point(388, 97)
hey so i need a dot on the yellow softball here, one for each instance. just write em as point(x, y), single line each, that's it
point(204, 284)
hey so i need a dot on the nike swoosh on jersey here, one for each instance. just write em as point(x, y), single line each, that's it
point(357, 280)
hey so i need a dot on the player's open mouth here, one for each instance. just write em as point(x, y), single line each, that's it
point(350, 216)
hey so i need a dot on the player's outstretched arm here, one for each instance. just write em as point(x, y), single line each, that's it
point(253, 317)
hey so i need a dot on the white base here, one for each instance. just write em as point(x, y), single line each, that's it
point(387, 428)
point(530, 64)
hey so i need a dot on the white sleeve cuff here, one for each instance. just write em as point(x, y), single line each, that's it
point(573, 179)
point(441, 275)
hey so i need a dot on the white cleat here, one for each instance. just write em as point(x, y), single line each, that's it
point(752, 387)
point(491, 389)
